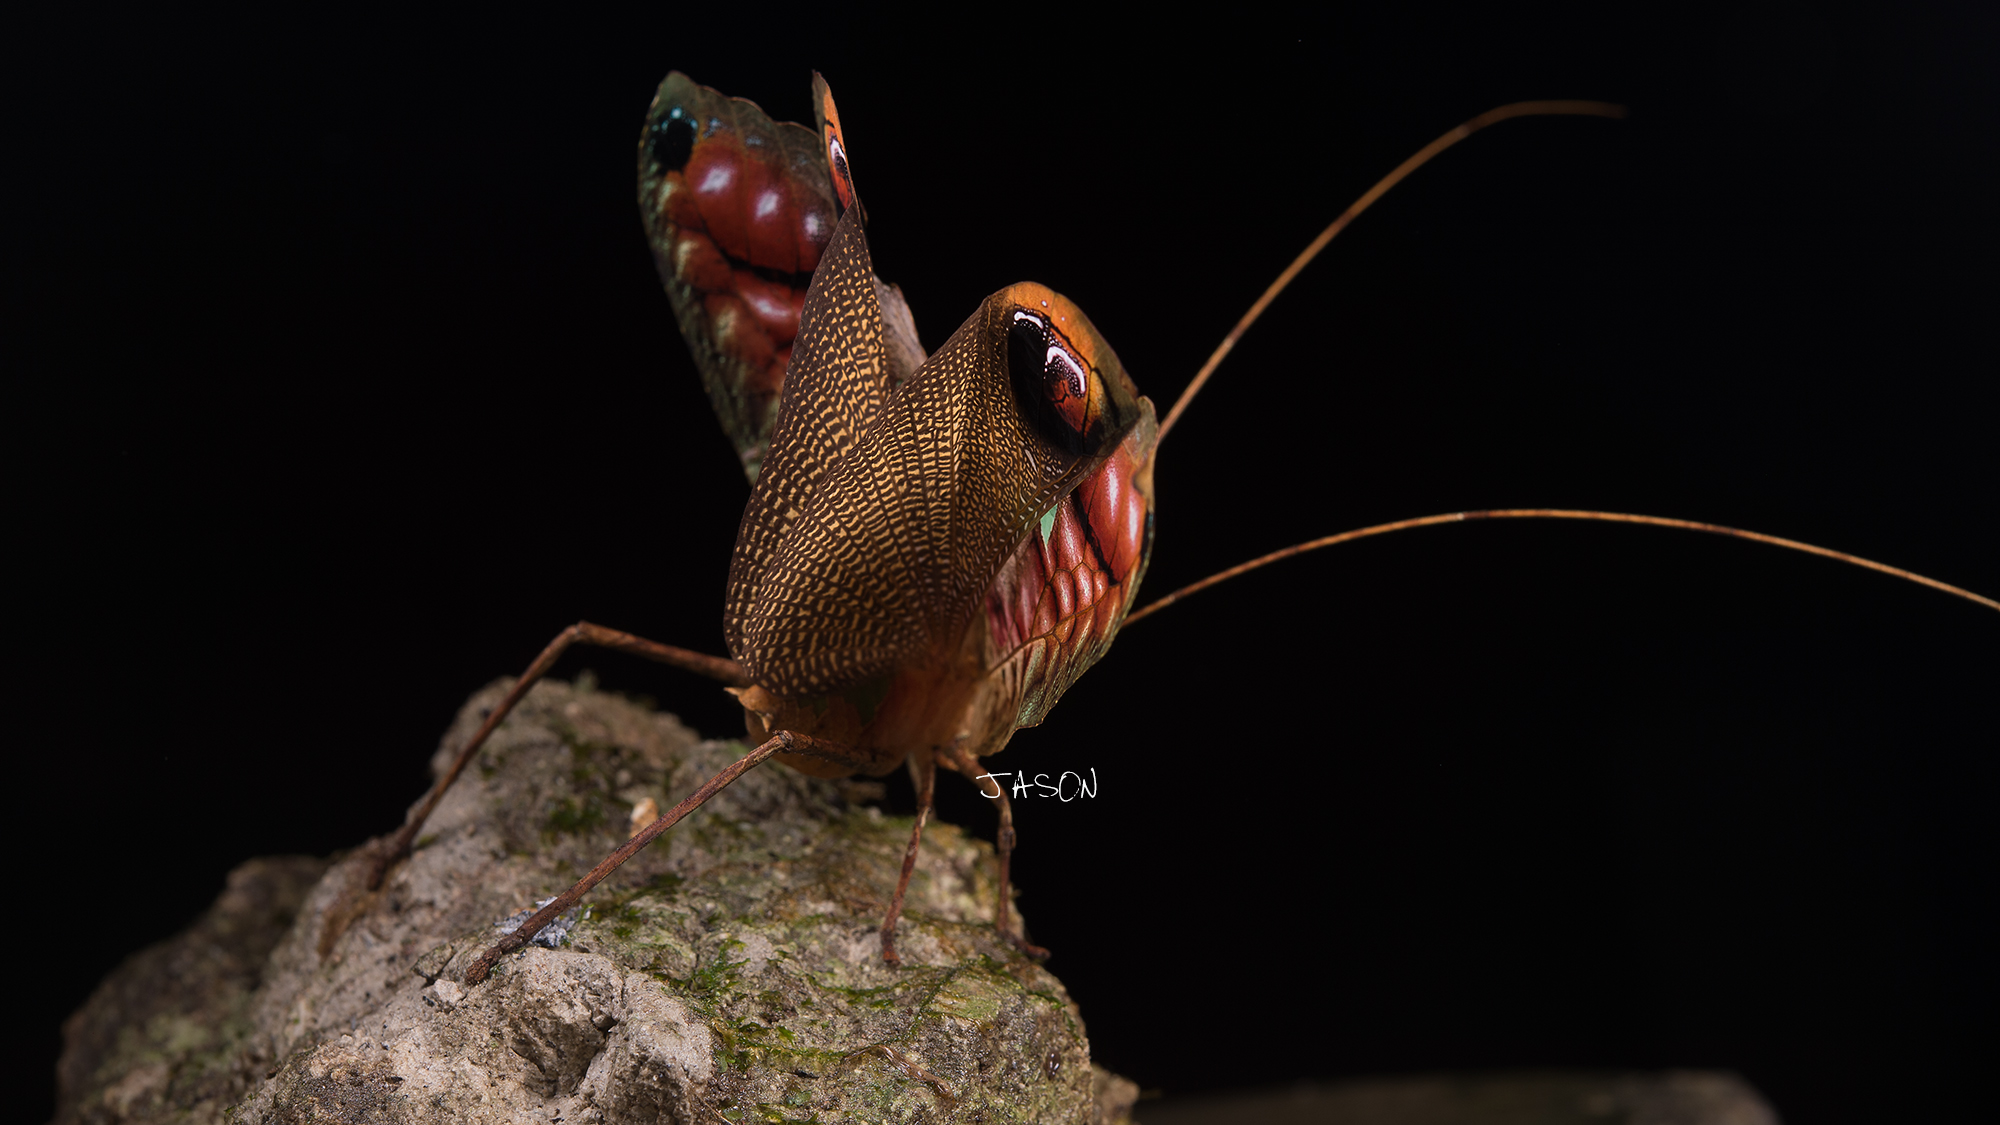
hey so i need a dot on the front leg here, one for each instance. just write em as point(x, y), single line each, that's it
point(355, 899)
point(785, 742)
point(583, 632)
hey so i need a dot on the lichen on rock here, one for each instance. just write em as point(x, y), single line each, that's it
point(731, 972)
point(165, 1036)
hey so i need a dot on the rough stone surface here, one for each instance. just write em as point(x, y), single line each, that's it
point(731, 972)
point(162, 1037)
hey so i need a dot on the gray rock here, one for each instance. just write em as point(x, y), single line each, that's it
point(731, 972)
point(164, 1036)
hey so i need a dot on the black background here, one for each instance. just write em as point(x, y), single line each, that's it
point(341, 381)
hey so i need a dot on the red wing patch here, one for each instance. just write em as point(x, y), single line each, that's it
point(1058, 601)
point(738, 209)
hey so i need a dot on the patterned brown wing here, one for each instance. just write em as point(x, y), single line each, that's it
point(891, 556)
point(838, 380)
point(738, 211)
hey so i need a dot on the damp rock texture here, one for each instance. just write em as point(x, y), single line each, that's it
point(729, 973)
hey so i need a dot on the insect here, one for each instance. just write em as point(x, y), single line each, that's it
point(868, 694)
point(1705, 311)
point(934, 549)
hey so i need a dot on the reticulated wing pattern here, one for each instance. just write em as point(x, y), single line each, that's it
point(892, 554)
point(835, 387)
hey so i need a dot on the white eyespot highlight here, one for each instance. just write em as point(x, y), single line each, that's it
point(768, 204)
point(718, 179)
point(1075, 371)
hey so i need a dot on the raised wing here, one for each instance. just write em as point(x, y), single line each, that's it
point(890, 557)
point(837, 384)
point(738, 212)
point(892, 516)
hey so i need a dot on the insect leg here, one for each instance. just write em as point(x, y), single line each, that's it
point(783, 742)
point(923, 770)
point(715, 667)
point(968, 765)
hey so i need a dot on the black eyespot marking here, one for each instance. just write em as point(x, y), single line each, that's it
point(1051, 383)
point(672, 140)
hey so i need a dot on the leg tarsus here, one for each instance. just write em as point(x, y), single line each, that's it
point(1028, 948)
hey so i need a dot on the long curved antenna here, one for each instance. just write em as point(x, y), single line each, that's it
point(1382, 186)
point(1554, 514)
